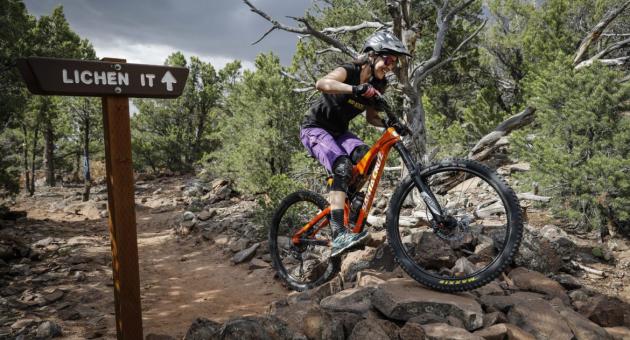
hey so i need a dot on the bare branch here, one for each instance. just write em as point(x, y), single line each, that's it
point(275, 23)
point(452, 56)
point(487, 144)
point(264, 35)
point(294, 77)
point(610, 62)
point(363, 25)
point(307, 30)
point(596, 32)
point(328, 50)
point(613, 47)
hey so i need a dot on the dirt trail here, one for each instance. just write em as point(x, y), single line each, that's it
point(180, 278)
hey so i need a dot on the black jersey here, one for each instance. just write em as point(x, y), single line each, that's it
point(333, 112)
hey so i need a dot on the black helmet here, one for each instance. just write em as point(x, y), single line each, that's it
point(384, 42)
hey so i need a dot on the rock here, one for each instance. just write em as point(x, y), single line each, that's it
point(504, 331)
point(440, 331)
point(238, 245)
point(207, 214)
point(463, 267)
point(567, 281)
point(380, 259)
point(431, 252)
point(427, 318)
point(411, 331)
point(48, 329)
point(257, 264)
point(69, 314)
point(369, 278)
point(319, 325)
point(492, 288)
point(493, 303)
point(203, 329)
point(88, 209)
point(402, 299)
point(618, 333)
point(376, 239)
point(494, 318)
point(255, 328)
point(582, 327)
point(538, 318)
point(368, 329)
point(245, 255)
point(334, 286)
point(543, 250)
point(537, 282)
point(53, 296)
point(188, 216)
point(19, 324)
point(606, 311)
point(354, 300)
point(79, 276)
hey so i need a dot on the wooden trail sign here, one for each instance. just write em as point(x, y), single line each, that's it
point(114, 81)
point(51, 76)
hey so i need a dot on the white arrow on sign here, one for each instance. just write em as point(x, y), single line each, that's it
point(169, 80)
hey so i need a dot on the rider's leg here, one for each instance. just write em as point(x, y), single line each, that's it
point(342, 172)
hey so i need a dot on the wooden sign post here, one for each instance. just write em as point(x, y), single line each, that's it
point(114, 81)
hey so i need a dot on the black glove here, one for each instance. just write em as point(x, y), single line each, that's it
point(365, 90)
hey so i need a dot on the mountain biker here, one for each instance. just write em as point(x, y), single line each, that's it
point(347, 91)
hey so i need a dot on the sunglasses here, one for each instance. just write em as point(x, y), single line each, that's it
point(389, 59)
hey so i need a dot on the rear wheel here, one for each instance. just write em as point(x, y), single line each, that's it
point(306, 265)
point(479, 237)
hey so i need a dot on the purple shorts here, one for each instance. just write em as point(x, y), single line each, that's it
point(326, 148)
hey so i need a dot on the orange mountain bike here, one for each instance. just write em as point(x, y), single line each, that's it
point(453, 225)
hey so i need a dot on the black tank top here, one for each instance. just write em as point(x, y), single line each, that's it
point(333, 112)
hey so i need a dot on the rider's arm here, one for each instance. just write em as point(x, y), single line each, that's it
point(373, 118)
point(333, 82)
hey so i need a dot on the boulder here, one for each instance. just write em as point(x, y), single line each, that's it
point(494, 318)
point(538, 318)
point(402, 299)
point(354, 300)
point(368, 329)
point(503, 303)
point(430, 251)
point(504, 331)
point(526, 279)
point(245, 255)
point(567, 281)
point(606, 311)
point(380, 259)
point(440, 331)
point(48, 329)
point(582, 327)
point(543, 250)
point(618, 333)
point(251, 327)
point(411, 331)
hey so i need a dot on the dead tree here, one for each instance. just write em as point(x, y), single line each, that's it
point(595, 34)
point(411, 74)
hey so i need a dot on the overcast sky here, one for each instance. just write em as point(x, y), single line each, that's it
point(147, 31)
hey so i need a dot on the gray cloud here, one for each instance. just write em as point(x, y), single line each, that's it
point(224, 28)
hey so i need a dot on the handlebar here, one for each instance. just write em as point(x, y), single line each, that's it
point(392, 120)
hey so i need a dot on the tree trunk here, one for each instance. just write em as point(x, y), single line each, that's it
point(86, 165)
point(31, 186)
point(49, 162)
point(27, 177)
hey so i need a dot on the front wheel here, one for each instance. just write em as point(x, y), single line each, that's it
point(478, 238)
point(308, 264)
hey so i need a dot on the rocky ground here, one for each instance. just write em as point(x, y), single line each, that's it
point(205, 274)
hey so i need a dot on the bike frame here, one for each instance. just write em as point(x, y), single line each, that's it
point(377, 155)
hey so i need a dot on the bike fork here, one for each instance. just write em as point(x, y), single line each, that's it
point(425, 192)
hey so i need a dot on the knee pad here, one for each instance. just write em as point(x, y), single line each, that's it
point(358, 153)
point(342, 172)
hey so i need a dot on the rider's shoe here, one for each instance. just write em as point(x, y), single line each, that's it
point(346, 240)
